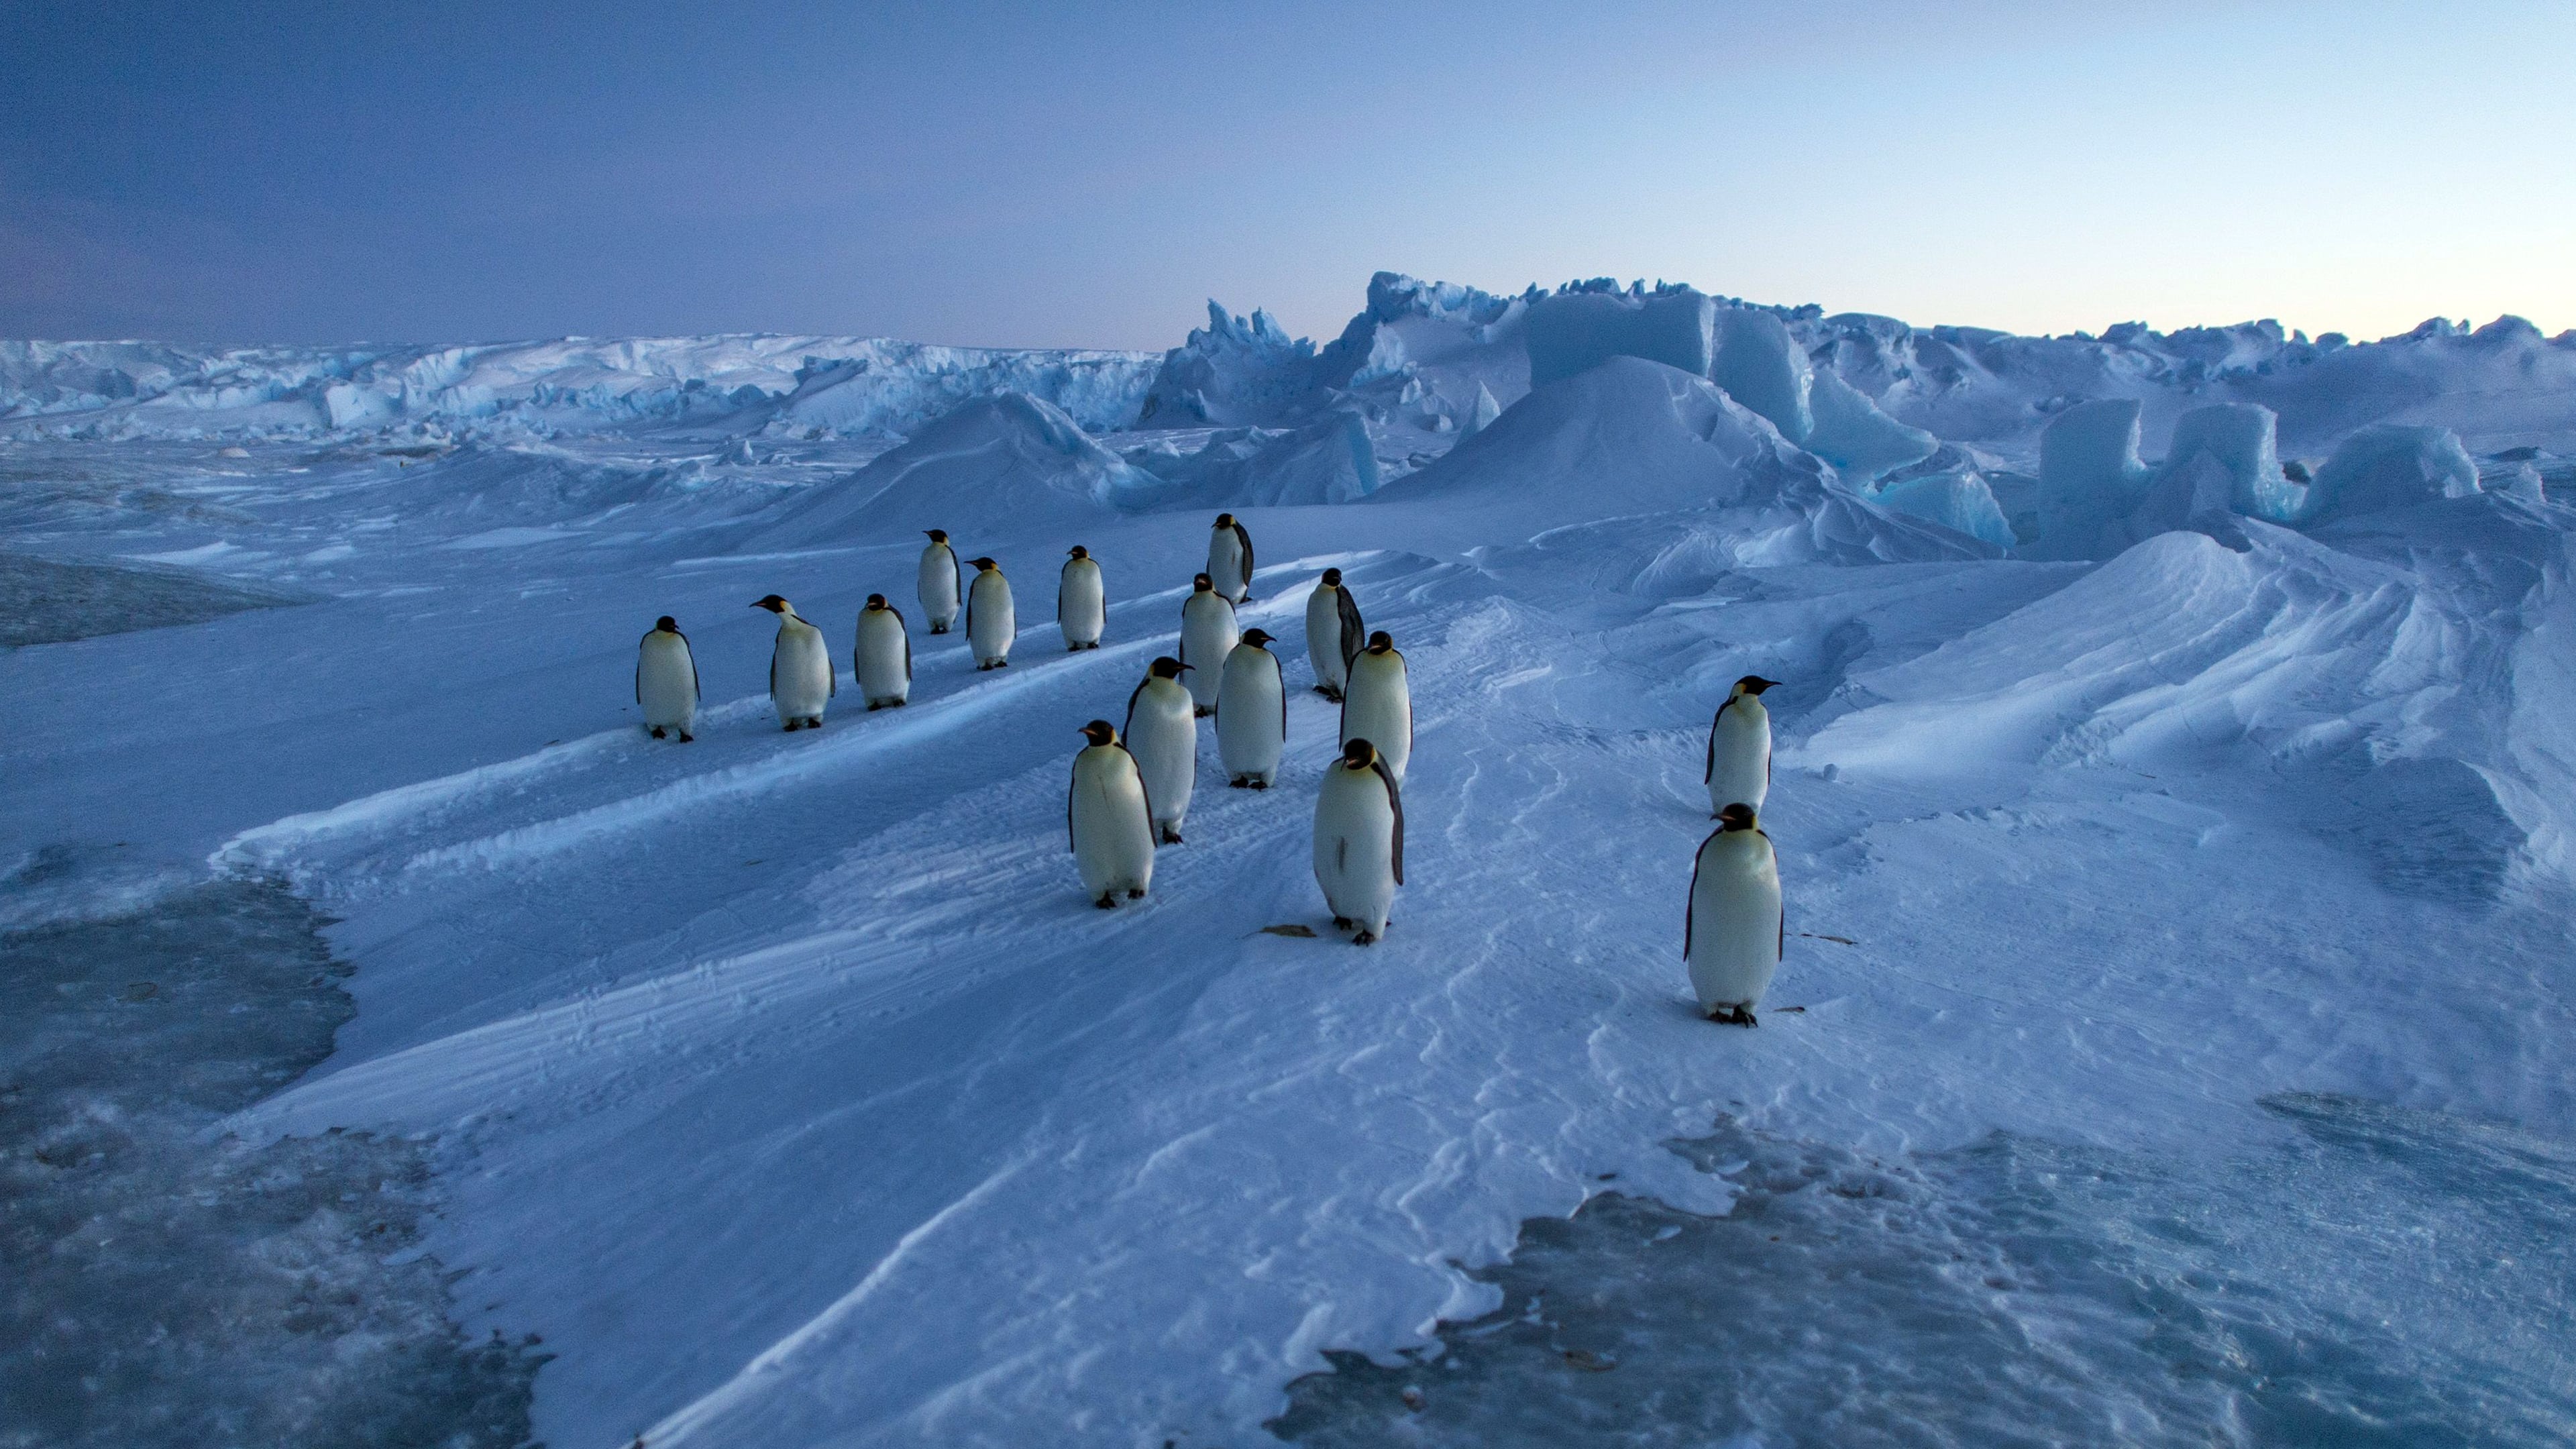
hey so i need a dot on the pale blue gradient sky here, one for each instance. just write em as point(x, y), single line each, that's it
point(1040, 175)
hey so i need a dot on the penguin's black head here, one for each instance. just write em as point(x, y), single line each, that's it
point(936, 535)
point(1754, 684)
point(1202, 584)
point(773, 604)
point(983, 563)
point(876, 601)
point(1077, 551)
point(1256, 637)
point(1738, 816)
point(1166, 668)
point(1358, 754)
point(1380, 642)
point(1099, 732)
point(1225, 520)
point(1333, 577)
point(667, 624)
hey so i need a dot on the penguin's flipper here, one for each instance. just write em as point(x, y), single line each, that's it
point(1395, 803)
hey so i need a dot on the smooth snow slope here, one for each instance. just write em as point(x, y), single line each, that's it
point(803, 1100)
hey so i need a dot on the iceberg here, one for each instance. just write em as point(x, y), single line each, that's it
point(2390, 466)
point(2090, 476)
point(1761, 366)
point(1957, 499)
point(1572, 332)
point(1859, 440)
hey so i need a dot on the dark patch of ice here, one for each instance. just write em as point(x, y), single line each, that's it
point(2387, 1277)
point(168, 1289)
point(45, 602)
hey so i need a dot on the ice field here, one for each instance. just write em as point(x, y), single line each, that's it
point(2174, 786)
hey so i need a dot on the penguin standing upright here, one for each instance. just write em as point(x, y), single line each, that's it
point(1081, 604)
point(1251, 713)
point(1110, 820)
point(666, 681)
point(1163, 735)
point(1230, 559)
point(1739, 748)
point(882, 659)
point(991, 623)
point(1359, 840)
point(1377, 703)
point(941, 582)
point(800, 668)
point(1734, 929)
point(1208, 635)
point(1334, 633)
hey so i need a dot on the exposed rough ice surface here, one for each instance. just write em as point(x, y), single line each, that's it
point(165, 1288)
point(46, 602)
point(2374, 1275)
point(788, 1088)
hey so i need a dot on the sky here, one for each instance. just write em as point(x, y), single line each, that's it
point(1091, 175)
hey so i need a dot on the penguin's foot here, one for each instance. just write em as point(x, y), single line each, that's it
point(1108, 902)
point(1135, 893)
point(1365, 938)
point(1171, 835)
point(792, 726)
point(1733, 1016)
point(1341, 923)
point(938, 628)
point(1260, 784)
point(657, 733)
point(687, 738)
point(1094, 644)
point(874, 706)
point(1201, 713)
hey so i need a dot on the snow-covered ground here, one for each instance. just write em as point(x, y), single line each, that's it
point(2173, 798)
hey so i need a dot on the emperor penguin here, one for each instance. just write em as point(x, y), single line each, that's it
point(800, 668)
point(1163, 735)
point(1230, 559)
point(941, 582)
point(1251, 714)
point(1208, 634)
point(1334, 633)
point(1359, 840)
point(1734, 929)
point(1081, 604)
point(666, 681)
point(991, 624)
point(1377, 703)
point(883, 657)
point(1111, 823)
point(1739, 748)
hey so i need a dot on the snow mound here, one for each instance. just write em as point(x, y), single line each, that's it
point(1631, 436)
point(1327, 460)
point(1957, 499)
point(1011, 461)
point(2362, 674)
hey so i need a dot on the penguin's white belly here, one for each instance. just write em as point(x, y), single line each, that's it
point(1208, 636)
point(1741, 772)
point(1082, 609)
point(993, 625)
point(882, 679)
point(1225, 567)
point(1113, 842)
point(1164, 738)
point(666, 683)
point(1249, 731)
point(1324, 637)
point(1377, 706)
point(939, 587)
point(1355, 847)
point(1735, 920)
point(801, 673)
